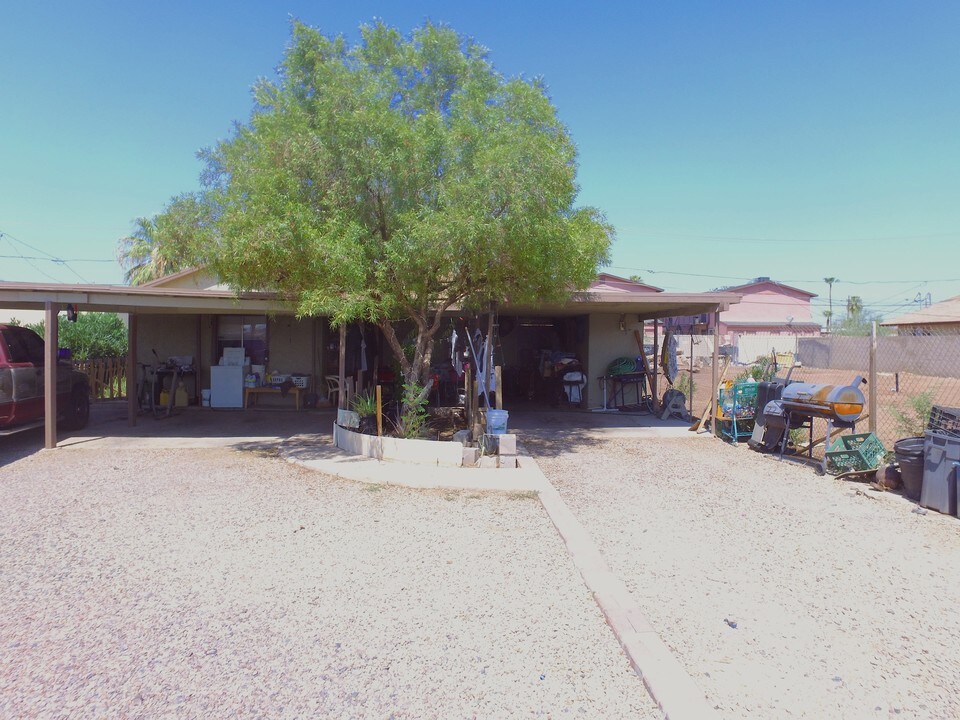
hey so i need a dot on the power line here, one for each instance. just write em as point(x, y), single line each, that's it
point(781, 282)
point(50, 258)
point(832, 241)
point(57, 261)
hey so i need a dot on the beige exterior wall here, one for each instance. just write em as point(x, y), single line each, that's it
point(171, 335)
point(291, 342)
point(607, 343)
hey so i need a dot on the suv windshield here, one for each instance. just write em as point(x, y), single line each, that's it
point(23, 345)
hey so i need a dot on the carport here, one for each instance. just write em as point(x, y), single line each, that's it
point(133, 301)
point(606, 310)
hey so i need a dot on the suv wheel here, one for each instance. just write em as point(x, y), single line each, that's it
point(77, 413)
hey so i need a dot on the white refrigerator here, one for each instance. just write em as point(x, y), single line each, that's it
point(226, 385)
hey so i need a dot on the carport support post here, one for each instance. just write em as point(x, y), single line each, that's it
point(50, 353)
point(656, 365)
point(872, 382)
point(714, 371)
point(342, 395)
point(132, 370)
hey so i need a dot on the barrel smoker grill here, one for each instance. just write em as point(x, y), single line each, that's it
point(793, 405)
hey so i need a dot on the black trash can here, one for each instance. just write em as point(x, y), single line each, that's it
point(909, 454)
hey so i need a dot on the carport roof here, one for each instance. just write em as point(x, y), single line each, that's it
point(153, 300)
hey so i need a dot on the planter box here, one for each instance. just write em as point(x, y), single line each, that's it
point(391, 449)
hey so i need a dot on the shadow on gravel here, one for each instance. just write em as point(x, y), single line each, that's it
point(21, 445)
point(548, 433)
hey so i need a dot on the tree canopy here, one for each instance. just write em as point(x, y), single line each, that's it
point(396, 179)
point(169, 242)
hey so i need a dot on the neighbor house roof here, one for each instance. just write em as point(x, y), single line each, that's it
point(941, 313)
point(766, 281)
point(613, 283)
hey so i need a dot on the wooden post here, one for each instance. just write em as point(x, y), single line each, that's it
point(690, 399)
point(488, 360)
point(379, 411)
point(132, 388)
point(50, 356)
point(467, 396)
point(498, 375)
point(872, 381)
point(714, 425)
point(656, 366)
point(341, 396)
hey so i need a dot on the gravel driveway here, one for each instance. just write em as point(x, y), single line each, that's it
point(218, 583)
point(846, 604)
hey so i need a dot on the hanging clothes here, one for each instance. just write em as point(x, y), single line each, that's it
point(456, 354)
point(363, 350)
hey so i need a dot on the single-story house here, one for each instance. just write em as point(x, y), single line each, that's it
point(766, 307)
point(191, 314)
point(942, 318)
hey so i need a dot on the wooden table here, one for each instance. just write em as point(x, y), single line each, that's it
point(268, 390)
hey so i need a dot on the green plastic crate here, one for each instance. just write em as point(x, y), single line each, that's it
point(860, 451)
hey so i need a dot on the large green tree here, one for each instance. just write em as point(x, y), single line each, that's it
point(397, 179)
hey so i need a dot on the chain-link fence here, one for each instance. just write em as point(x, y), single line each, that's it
point(909, 375)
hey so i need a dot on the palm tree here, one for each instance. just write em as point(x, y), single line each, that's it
point(854, 307)
point(829, 314)
point(169, 242)
point(142, 255)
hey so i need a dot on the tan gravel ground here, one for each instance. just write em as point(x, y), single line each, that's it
point(846, 603)
point(212, 583)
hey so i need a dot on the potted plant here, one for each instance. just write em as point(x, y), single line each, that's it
point(365, 405)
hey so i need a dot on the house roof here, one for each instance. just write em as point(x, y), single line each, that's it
point(606, 282)
point(943, 312)
point(767, 281)
point(647, 302)
point(136, 299)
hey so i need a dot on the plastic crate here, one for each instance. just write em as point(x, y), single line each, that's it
point(859, 451)
point(945, 420)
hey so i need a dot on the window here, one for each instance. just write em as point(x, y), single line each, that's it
point(23, 345)
point(246, 331)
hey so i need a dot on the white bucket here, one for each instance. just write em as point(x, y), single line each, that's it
point(205, 397)
point(497, 422)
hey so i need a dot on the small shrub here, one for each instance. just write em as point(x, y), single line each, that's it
point(365, 405)
point(685, 384)
point(413, 414)
point(913, 422)
point(762, 370)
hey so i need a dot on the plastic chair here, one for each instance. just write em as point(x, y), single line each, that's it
point(333, 388)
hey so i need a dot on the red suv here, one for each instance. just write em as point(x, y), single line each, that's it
point(21, 384)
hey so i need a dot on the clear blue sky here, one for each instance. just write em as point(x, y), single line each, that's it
point(723, 140)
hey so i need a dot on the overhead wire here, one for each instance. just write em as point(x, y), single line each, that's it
point(49, 257)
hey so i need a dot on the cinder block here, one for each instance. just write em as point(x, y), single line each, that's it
point(508, 461)
point(470, 455)
point(488, 462)
point(508, 444)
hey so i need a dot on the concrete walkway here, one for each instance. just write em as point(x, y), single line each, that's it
point(670, 686)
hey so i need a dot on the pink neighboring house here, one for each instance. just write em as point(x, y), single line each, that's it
point(766, 308)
